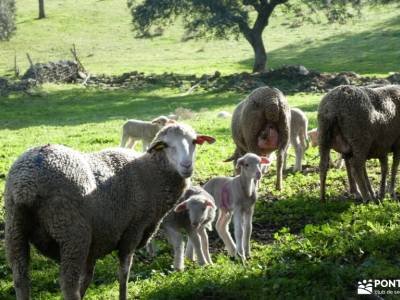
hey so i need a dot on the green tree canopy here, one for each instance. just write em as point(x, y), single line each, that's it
point(224, 18)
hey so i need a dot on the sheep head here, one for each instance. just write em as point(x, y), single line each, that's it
point(198, 207)
point(178, 142)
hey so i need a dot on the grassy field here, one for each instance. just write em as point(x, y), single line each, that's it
point(302, 248)
point(296, 240)
point(103, 35)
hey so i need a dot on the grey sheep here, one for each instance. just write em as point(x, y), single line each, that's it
point(298, 136)
point(193, 215)
point(76, 208)
point(135, 130)
point(235, 197)
point(360, 123)
point(261, 125)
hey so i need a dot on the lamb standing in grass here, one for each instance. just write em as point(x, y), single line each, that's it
point(236, 196)
point(298, 136)
point(134, 130)
point(261, 125)
point(76, 208)
point(194, 215)
point(360, 123)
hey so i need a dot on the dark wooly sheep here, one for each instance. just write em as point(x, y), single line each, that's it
point(360, 123)
point(76, 208)
point(261, 125)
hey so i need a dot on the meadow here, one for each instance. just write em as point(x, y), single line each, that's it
point(302, 248)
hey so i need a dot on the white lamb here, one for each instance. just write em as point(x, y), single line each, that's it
point(236, 196)
point(194, 215)
point(135, 130)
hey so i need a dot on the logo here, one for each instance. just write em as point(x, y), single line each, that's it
point(365, 287)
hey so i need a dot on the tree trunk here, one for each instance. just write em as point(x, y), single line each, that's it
point(42, 14)
point(260, 55)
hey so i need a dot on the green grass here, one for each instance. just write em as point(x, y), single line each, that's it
point(103, 35)
point(303, 249)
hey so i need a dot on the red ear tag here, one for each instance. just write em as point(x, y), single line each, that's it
point(265, 160)
point(204, 138)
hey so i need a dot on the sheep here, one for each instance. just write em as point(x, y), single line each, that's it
point(134, 130)
point(76, 208)
point(193, 215)
point(313, 137)
point(298, 136)
point(236, 196)
point(261, 125)
point(360, 123)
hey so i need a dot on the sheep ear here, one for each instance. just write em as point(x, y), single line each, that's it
point(265, 160)
point(204, 138)
point(155, 121)
point(170, 121)
point(157, 146)
point(209, 203)
point(181, 207)
point(239, 163)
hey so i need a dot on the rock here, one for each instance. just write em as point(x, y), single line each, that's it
point(63, 71)
point(394, 78)
point(339, 80)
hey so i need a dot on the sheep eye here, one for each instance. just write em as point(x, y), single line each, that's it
point(246, 165)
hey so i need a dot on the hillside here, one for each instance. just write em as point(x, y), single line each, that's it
point(103, 35)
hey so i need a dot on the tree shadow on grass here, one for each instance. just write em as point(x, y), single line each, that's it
point(75, 106)
point(367, 52)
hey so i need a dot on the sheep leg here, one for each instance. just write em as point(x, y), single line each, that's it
point(125, 263)
point(324, 153)
point(238, 224)
point(131, 143)
point(18, 253)
point(395, 165)
point(285, 159)
point(189, 253)
point(73, 235)
point(248, 228)
point(357, 169)
point(73, 253)
point(279, 168)
point(175, 239)
point(384, 170)
point(339, 162)
point(299, 155)
point(87, 277)
point(205, 245)
point(195, 239)
point(352, 184)
point(368, 182)
point(124, 140)
point(222, 227)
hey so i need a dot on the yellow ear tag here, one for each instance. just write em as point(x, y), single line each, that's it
point(159, 147)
